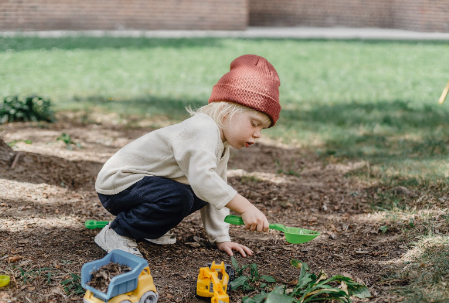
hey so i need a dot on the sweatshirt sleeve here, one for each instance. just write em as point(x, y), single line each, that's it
point(213, 221)
point(194, 149)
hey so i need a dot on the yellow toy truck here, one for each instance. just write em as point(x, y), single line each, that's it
point(135, 286)
point(213, 282)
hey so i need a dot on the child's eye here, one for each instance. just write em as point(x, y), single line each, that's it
point(253, 123)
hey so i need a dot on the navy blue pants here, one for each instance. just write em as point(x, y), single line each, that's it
point(150, 207)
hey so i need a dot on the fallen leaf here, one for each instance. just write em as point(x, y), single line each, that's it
point(293, 282)
point(14, 259)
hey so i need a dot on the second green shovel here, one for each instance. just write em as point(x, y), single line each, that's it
point(293, 235)
point(92, 224)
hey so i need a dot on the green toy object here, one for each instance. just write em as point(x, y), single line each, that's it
point(92, 224)
point(4, 280)
point(293, 235)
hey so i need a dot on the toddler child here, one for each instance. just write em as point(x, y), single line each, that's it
point(154, 182)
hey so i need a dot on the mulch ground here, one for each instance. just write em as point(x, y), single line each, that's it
point(49, 194)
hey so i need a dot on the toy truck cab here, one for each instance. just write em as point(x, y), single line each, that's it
point(135, 286)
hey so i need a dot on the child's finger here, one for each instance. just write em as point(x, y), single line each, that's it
point(247, 250)
point(228, 250)
point(240, 250)
point(266, 226)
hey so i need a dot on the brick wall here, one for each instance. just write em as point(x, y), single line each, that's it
point(29, 15)
point(419, 15)
point(422, 15)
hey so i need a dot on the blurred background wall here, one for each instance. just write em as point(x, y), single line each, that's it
point(418, 15)
point(29, 15)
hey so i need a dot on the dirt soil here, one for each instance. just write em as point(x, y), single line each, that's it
point(49, 194)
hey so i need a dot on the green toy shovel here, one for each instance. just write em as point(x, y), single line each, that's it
point(92, 224)
point(293, 235)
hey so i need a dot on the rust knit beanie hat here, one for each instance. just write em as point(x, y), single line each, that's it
point(252, 82)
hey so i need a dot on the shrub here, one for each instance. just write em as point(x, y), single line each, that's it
point(31, 108)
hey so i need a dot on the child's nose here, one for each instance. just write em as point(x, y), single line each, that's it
point(256, 134)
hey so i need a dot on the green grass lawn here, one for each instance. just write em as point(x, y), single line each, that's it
point(375, 100)
point(343, 100)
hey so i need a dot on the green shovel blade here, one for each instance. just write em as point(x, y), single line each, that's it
point(92, 224)
point(293, 235)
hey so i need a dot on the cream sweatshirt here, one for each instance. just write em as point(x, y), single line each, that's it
point(190, 152)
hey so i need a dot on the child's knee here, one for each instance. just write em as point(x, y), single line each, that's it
point(184, 200)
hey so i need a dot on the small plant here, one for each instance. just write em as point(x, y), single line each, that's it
point(383, 228)
point(311, 287)
point(72, 286)
point(67, 139)
point(31, 108)
point(289, 171)
point(29, 275)
point(244, 281)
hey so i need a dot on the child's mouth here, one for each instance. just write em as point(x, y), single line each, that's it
point(248, 144)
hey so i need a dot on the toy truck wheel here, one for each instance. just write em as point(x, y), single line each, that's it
point(149, 297)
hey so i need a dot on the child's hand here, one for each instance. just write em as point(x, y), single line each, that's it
point(228, 247)
point(254, 219)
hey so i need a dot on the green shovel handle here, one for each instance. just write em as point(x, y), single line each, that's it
point(92, 224)
point(237, 220)
point(234, 220)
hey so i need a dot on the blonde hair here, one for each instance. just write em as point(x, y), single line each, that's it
point(221, 109)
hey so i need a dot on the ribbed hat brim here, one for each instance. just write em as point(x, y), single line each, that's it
point(256, 100)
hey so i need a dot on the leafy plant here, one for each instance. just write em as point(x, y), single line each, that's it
point(311, 287)
point(238, 270)
point(72, 286)
point(31, 108)
point(383, 228)
point(244, 281)
point(67, 139)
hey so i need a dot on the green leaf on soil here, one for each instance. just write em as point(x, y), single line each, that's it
point(254, 272)
point(235, 264)
point(268, 279)
point(296, 263)
point(354, 289)
point(278, 296)
point(240, 281)
point(257, 298)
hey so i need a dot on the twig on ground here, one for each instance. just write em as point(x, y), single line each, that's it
point(16, 159)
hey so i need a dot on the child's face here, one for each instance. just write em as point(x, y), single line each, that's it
point(243, 129)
